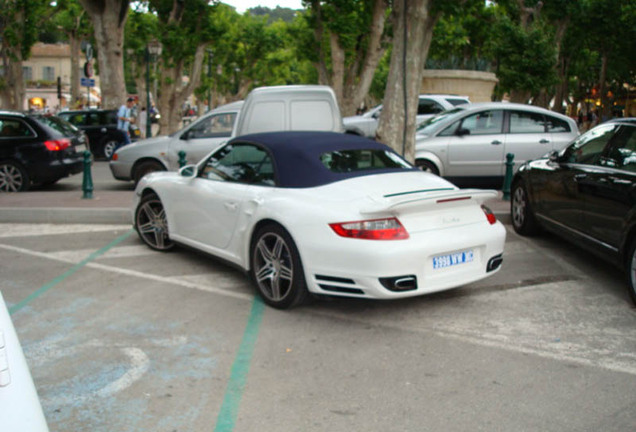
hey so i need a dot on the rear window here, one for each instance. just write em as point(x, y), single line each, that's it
point(557, 125)
point(455, 101)
point(345, 161)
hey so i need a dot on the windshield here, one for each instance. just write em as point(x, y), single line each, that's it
point(427, 125)
point(58, 124)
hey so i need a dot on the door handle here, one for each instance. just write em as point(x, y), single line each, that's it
point(103, 130)
point(230, 206)
point(580, 177)
point(496, 142)
point(544, 141)
point(620, 181)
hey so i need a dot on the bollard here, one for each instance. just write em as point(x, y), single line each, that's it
point(508, 178)
point(182, 159)
point(87, 182)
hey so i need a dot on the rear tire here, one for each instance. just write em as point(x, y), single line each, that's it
point(427, 166)
point(13, 177)
point(109, 148)
point(146, 168)
point(523, 219)
point(630, 268)
point(276, 268)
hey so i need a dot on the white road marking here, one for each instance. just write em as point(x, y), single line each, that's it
point(30, 230)
point(134, 273)
point(116, 252)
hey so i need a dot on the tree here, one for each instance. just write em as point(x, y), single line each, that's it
point(109, 20)
point(185, 31)
point(19, 25)
point(348, 44)
point(71, 18)
point(413, 23)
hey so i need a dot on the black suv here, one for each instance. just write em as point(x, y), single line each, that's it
point(33, 152)
point(101, 128)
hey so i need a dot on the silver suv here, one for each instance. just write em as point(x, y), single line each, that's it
point(428, 106)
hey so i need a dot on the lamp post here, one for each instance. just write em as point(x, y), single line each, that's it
point(152, 49)
point(210, 54)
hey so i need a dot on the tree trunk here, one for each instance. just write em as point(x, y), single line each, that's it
point(413, 31)
point(75, 65)
point(109, 19)
point(172, 94)
point(14, 92)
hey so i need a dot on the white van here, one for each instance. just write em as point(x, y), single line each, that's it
point(284, 108)
point(266, 109)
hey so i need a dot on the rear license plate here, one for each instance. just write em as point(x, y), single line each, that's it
point(449, 260)
point(80, 148)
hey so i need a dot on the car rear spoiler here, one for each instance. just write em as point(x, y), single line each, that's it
point(419, 199)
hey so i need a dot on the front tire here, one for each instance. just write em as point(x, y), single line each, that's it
point(276, 268)
point(13, 178)
point(523, 219)
point(151, 223)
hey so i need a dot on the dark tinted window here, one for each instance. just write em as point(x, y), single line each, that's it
point(14, 128)
point(242, 163)
point(361, 160)
point(427, 106)
point(622, 153)
point(588, 148)
point(77, 119)
point(455, 102)
point(526, 122)
point(215, 126)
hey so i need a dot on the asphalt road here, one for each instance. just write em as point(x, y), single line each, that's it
point(122, 338)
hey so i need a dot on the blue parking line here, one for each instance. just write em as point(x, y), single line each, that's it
point(238, 377)
point(16, 307)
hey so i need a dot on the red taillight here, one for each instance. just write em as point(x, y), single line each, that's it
point(57, 145)
point(489, 215)
point(114, 157)
point(376, 229)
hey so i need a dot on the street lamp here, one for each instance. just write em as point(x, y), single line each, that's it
point(152, 49)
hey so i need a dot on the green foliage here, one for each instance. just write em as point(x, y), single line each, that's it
point(526, 58)
point(20, 22)
point(284, 14)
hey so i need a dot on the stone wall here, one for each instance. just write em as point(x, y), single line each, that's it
point(477, 85)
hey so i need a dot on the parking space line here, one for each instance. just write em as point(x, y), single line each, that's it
point(238, 377)
point(18, 306)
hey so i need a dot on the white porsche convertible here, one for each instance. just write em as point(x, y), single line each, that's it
point(323, 213)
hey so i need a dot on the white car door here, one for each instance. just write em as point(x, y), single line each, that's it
point(210, 209)
point(201, 138)
point(476, 145)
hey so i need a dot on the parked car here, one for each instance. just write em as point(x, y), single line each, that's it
point(275, 108)
point(324, 213)
point(468, 145)
point(428, 106)
point(585, 194)
point(101, 128)
point(20, 408)
point(162, 153)
point(32, 152)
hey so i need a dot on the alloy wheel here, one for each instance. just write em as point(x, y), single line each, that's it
point(11, 178)
point(152, 225)
point(273, 267)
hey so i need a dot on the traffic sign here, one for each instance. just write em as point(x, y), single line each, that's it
point(87, 82)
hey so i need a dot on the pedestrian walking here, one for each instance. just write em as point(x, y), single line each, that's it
point(124, 117)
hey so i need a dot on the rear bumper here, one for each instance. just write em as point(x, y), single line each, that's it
point(50, 171)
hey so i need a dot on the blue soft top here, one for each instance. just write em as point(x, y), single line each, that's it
point(297, 155)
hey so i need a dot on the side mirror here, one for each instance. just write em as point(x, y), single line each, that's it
point(553, 156)
point(185, 136)
point(188, 171)
point(462, 132)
